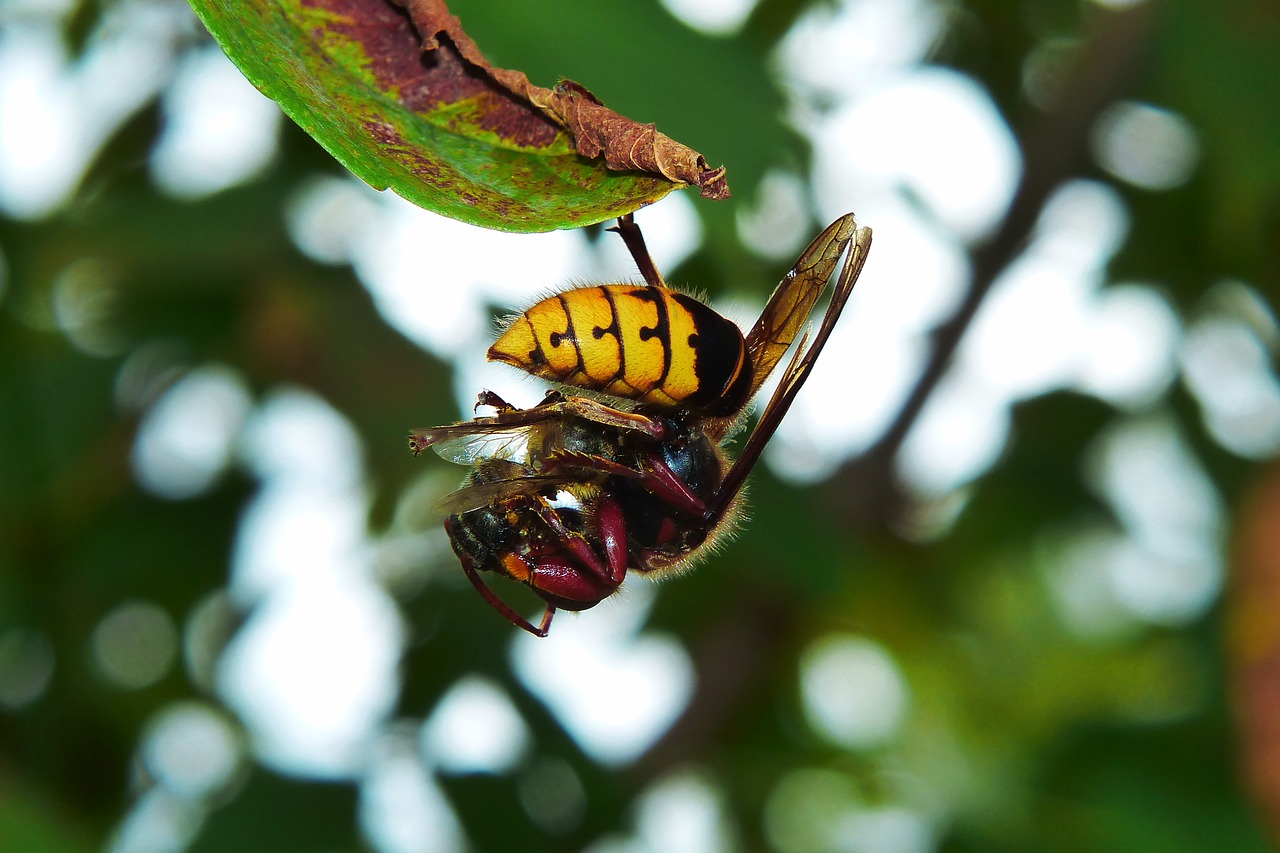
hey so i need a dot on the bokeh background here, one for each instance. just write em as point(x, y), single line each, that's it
point(1012, 576)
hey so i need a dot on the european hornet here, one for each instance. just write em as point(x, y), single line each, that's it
point(569, 495)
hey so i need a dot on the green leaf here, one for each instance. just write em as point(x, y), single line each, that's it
point(353, 75)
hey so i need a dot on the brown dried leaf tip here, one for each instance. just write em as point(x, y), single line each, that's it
point(627, 145)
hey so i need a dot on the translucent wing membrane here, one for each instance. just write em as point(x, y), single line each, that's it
point(511, 445)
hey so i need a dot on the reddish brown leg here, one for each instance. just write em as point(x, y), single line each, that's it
point(663, 483)
point(580, 461)
point(492, 400)
point(492, 597)
point(629, 231)
point(657, 477)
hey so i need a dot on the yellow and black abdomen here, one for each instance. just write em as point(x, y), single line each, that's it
point(643, 343)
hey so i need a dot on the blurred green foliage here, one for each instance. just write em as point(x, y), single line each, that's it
point(1026, 735)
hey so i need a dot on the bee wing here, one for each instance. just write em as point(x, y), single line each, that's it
point(797, 372)
point(477, 495)
point(793, 300)
point(472, 441)
point(511, 445)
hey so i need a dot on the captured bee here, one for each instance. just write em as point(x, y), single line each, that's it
point(571, 494)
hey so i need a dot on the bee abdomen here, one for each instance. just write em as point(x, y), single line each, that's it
point(643, 343)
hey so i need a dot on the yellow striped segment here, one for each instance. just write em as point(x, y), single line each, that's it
point(592, 319)
point(642, 343)
point(551, 327)
point(518, 346)
point(645, 356)
point(682, 376)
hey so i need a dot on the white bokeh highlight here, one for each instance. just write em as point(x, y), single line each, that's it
point(475, 728)
point(185, 441)
point(1047, 324)
point(159, 822)
point(312, 673)
point(219, 130)
point(614, 689)
point(1145, 145)
point(1229, 368)
point(713, 17)
point(853, 691)
point(1168, 568)
point(402, 808)
point(1081, 579)
point(776, 225)
point(684, 813)
point(962, 430)
point(192, 750)
point(842, 49)
point(1129, 354)
point(56, 113)
point(935, 135)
